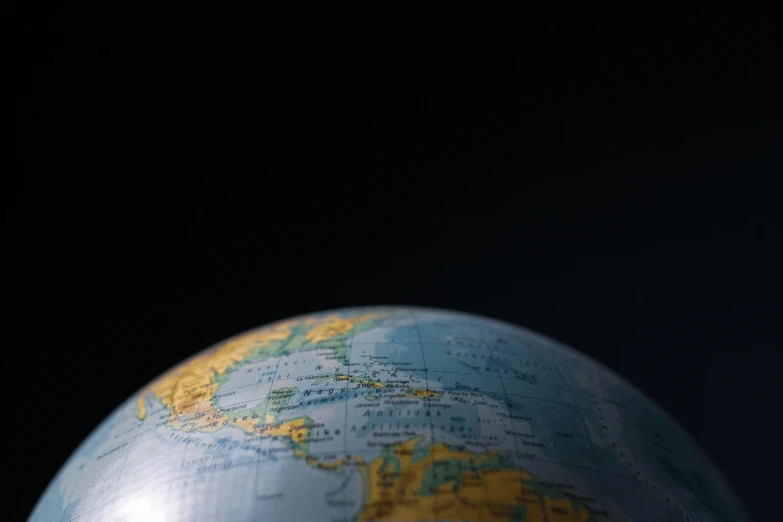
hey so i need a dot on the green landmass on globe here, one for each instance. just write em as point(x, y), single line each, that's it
point(389, 413)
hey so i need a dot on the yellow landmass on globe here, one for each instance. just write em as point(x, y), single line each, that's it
point(188, 387)
point(333, 465)
point(295, 429)
point(412, 393)
point(361, 380)
point(332, 325)
point(396, 490)
point(419, 393)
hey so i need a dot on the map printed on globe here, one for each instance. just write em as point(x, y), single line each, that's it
point(388, 414)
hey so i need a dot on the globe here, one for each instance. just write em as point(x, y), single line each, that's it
point(388, 413)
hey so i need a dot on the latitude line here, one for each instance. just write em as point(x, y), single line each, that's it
point(527, 397)
point(448, 372)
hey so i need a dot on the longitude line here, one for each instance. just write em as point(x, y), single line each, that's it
point(488, 348)
point(427, 387)
point(70, 495)
point(660, 482)
point(510, 415)
point(345, 420)
point(263, 420)
point(122, 468)
point(589, 439)
point(426, 378)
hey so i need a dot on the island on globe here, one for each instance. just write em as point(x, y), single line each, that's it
point(388, 413)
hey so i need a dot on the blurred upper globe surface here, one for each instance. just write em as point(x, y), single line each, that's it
point(388, 413)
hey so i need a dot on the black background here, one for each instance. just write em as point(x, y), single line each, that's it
point(183, 177)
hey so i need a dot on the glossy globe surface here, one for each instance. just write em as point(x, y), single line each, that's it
point(388, 413)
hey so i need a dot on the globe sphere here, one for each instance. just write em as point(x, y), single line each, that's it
point(388, 413)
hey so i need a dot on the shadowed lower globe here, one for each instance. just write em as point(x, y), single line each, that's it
point(388, 413)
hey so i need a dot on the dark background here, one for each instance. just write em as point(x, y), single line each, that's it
point(613, 184)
